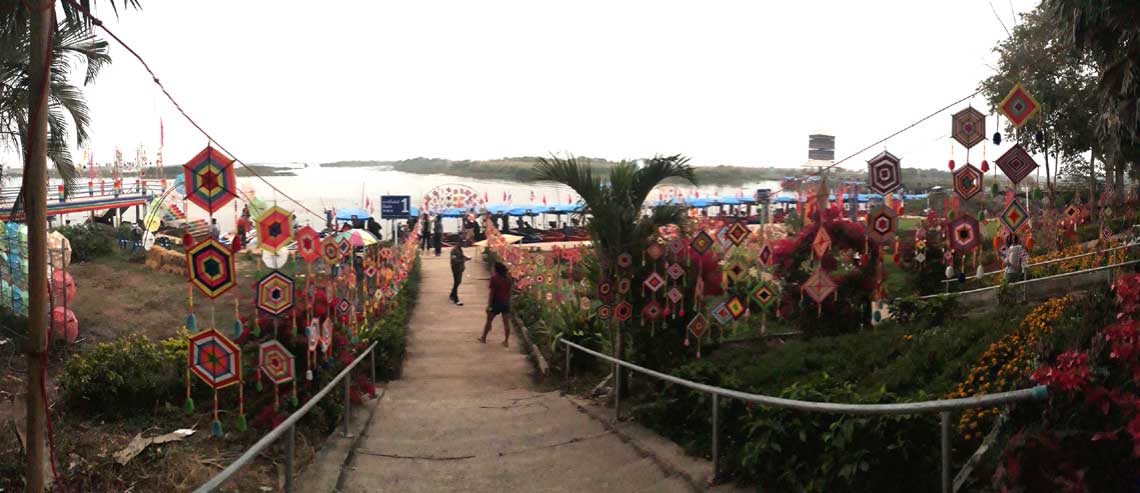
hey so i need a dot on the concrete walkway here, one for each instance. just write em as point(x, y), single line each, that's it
point(465, 416)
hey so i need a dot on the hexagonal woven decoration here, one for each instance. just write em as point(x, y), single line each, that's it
point(1014, 216)
point(968, 181)
point(653, 282)
point(884, 173)
point(214, 358)
point(275, 361)
point(1018, 106)
point(275, 293)
point(701, 243)
point(605, 291)
point(330, 252)
point(210, 181)
point(1016, 163)
point(1073, 213)
point(964, 233)
point(623, 311)
point(625, 260)
point(210, 267)
point(737, 233)
point(968, 127)
point(698, 326)
point(624, 285)
point(819, 286)
point(308, 244)
point(652, 310)
point(343, 307)
point(882, 221)
point(654, 251)
point(604, 312)
point(274, 229)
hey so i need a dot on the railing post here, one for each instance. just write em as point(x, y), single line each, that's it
point(290, 444)
point(617, 392)
point(372, 364)
point(946, 486)
point(566, 371)
point(715, 437)
point(347, 406)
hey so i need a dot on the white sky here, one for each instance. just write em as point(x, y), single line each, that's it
point(724, 82)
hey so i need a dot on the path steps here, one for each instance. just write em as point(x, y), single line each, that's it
point(465, 416)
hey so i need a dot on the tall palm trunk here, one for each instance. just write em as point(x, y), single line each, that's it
point(35, 208)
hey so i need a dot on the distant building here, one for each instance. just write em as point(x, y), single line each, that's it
point(821, 151)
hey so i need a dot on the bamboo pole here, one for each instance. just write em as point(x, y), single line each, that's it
point(35, 208)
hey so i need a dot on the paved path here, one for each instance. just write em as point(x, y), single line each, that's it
point(465, 417)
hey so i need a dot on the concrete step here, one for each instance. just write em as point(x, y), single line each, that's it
point(625, 478)
point(670, 484)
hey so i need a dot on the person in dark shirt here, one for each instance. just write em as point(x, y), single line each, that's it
point(499, 303)
point(425, 236)
point(437, 235)
point(458, 264)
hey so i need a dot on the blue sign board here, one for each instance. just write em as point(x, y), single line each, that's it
point(395, 206)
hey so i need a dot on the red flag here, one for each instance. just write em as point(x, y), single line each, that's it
point(485, 199)
point(532, 195)
point(544, 199)
point(504, 196)
point(569, 200)
point(161, 134)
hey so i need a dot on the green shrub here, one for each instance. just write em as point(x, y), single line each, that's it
point(125, 377)
point(89, 241)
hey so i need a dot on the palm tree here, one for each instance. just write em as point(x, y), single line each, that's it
point(73, 47)
point(618, 226)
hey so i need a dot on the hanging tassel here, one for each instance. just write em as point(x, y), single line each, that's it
point(191, 323)
point(241, 425)
point(256, 326)
point(237, 328)
point(276, 398)
point(216, 428)
point(309, 375)
point(763, 323)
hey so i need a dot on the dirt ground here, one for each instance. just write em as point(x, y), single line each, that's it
point(116, 296)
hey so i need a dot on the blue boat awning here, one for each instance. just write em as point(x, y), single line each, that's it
point(347, 213)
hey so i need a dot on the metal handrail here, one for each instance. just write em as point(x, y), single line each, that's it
point(1047, 262)
point(1030, 281)
point(943, 407)
point(289, 426)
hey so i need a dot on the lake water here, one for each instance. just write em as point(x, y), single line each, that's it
point(322, 188)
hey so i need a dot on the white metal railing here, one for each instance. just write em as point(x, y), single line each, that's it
point(289, 427)
point(1031, 281)
point(943, 407)
point(947, 282)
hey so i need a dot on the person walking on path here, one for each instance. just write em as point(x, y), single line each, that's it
point(1015, 260)
point(458, 264)
point(499, 303)
point(437, 235)
point(425, 238)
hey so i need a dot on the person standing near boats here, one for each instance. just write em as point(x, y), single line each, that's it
point(425, 237)
point(437, 234)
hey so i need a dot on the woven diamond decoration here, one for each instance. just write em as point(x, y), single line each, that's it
point(885, 173)
point(652, 310)
point(675, 271)
point(654, 281)
point(275, 293)
point(370, 271)
point(625, 260)
point(1014, 216)
point(920, 257)
point(968, 127)
point(343, 307)
point(721, 314)
point(605, 312)
point(765, 254)
point(968, 181)
point(308, 244)
point(702, 242)
point(624, 285)
point(675, 295)
point(735, 307)
point(326, 334)
point(330, 252)
point(274, 229)
point(734, 270)
point(623, 311)
point(1073, 213)
point(1016, 163)
point(210, 182)
point(605, 291)
point(737, 233)
point(676, 246)
point(821, 243)
point(654, 250)
point(882, 222)
point(964, 233)
point(764, 295)
point(819, 286)
point(214, 358)
point(210, 266)
point(343, 246)
point(275, 361)
point(698, 326)
point(1018, 106)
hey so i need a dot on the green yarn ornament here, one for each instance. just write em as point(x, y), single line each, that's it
point(216, 428)
point(1036, 194)
point(294, 402)
point(241, 425)
point(237, 329)
point(191, 323)
point(256, 327)
point(257, 385)
point(188, 406)
point(994, 189)
point(981, 215)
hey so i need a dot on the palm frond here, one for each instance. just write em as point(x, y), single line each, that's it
point(656, 171)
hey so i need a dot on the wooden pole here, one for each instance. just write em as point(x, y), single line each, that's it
point(35, 208)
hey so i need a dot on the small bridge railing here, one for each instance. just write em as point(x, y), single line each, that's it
point(943, 407)
point(1028, 282)
point(288, 427)
point(948, 282)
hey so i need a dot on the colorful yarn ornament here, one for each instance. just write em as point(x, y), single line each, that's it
point(191, 323)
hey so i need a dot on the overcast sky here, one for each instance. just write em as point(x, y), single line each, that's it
point(724, 82)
